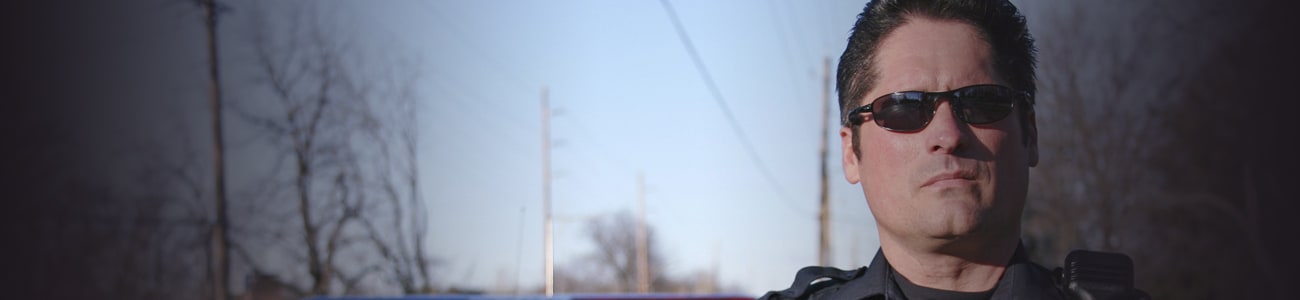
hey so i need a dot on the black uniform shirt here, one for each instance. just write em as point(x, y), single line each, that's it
point(1021, 280)
point(917, 292)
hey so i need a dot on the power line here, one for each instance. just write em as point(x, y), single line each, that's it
point(780, 28)
point(499, 112)
point(468, 109)
point(722, 103)
point(499, 67)
point(783, 25)
point(794, 31)
point(603, 150)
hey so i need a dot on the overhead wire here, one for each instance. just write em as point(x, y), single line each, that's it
point(513, 76)
point(498, 68)
point(499, 136)
point(603, 150)
point(515, 127)
point(726, 110)
point(455, 30)
point(800, 43)
point(780, 28)
point(503, 117)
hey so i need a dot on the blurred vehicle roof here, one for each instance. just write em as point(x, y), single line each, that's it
point(556, 297)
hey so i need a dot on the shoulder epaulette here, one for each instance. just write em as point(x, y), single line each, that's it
point(812, 279)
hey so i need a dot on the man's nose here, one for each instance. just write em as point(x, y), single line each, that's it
point(945, 134)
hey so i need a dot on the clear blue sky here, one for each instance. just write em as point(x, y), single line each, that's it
point(627, 99)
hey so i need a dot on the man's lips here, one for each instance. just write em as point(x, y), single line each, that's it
point(949, 177)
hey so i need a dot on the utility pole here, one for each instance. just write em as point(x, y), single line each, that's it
point(824, 216)
point(642, 247)
point(549, 256)
point(716, 270)
point(218, 238)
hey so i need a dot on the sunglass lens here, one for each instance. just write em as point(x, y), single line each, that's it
point(983, 105)
point(902, 112)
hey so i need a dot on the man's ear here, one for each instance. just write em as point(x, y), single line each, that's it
point(849, 154)
point(1031, 138)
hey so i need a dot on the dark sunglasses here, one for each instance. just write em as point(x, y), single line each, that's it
point(912, 110)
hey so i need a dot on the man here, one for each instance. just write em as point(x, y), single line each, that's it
point(938, 128)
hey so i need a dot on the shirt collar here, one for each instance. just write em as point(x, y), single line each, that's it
point(1022, 279)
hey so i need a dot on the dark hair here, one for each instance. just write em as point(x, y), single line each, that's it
point(1000, 23)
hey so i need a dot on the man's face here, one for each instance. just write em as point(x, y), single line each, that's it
point(949, 180)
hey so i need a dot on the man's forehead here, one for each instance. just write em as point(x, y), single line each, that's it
point(932, 55)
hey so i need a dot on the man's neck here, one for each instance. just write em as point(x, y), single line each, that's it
point(962, 265)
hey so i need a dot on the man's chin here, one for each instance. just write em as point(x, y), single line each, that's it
point(956, 205)
point(954, 223)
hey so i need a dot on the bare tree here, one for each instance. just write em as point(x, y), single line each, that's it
point(612, 267)
point(1122, 130)
point(346, 122)
point(395, 178)
point(133, 232)
point(616, 250)
point(172, 221)
point(1096, 156)
point(311, 76)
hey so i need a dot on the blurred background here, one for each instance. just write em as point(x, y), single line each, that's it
point(420, 147)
